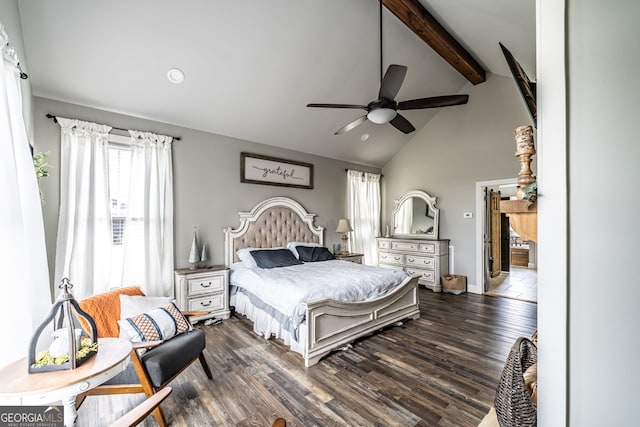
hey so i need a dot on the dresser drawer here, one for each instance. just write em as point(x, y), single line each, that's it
point(405, 246)
point(208, 302)
point(384, 244)
point(197, 286)
point(420, 262)
point(392, 266)
point(424, 275)
point(389, 258)
point(428, 248)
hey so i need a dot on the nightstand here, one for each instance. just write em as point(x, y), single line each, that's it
point(353, 257)
point(203, 289)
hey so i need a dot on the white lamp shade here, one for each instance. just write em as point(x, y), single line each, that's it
point(381, 115)
point(343, 226)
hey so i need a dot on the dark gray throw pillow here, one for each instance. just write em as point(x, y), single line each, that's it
point(274, 258)
point(314, 254)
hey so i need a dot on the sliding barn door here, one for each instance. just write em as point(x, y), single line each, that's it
point(495, 233)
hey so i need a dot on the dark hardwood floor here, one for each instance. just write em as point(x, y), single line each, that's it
point(439, 370)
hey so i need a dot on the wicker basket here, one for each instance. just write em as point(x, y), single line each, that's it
point(513, 402)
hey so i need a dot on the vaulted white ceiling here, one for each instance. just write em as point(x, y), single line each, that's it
point(251, 66)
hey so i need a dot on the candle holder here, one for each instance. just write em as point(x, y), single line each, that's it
point(73, 344)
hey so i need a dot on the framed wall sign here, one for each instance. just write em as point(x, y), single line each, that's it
point(259, 169)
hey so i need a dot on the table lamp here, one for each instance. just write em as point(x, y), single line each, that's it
point(344, 227)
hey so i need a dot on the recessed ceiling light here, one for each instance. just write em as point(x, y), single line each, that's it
point(364, 137)
point(175, 75)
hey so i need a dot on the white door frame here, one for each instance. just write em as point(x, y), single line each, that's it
point(478, 287)
point(553, 221)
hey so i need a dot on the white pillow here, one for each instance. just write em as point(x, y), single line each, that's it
point(161, 323)
point(292, 246)
point(245, 255)
point(133, 305)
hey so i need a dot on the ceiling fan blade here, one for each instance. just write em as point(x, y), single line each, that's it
point(351, 125)
point(392, 81)
point(402, 124)
point(361, 107)
point(433, 102)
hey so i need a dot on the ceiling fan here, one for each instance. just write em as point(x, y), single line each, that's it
point(385, 108)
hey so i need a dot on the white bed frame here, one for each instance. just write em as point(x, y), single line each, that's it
point(329, 324)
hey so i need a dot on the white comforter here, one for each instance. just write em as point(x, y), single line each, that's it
point(287, 288)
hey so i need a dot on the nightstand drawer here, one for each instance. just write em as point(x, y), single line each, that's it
point(389, 258)
point(424, 275)
point(203, 289)
point(420, 261)
point(197, 286)
point(208, 302)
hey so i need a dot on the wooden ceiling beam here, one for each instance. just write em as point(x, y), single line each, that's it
point(425, 26)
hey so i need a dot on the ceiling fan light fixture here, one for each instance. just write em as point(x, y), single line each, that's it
point(381, 115)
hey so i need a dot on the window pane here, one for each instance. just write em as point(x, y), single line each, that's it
point(119, 173)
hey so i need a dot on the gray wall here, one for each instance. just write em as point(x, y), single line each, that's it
point(460, 146)
point(207, 188)
point(603, 150)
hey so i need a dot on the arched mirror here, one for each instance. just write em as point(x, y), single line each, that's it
point(415, 215)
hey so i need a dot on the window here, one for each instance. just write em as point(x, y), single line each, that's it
point(123, 235)
point(119, 181)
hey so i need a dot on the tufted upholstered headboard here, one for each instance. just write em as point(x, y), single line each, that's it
point(271, 223)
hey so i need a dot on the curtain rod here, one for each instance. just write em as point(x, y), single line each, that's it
point(347, 170)
point(23, 75)
point(52, 117)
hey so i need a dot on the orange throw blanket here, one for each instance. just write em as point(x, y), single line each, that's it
point(105, 310)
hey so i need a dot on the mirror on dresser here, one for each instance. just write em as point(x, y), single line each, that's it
point(415, 246)
point(415, 215)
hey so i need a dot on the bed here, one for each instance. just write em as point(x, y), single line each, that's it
point(317, 324)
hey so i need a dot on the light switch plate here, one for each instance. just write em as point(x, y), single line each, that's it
point(467, 215)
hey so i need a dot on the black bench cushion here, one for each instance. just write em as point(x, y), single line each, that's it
point(166, 360)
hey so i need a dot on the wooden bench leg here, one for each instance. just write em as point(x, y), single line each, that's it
point(148, 388)
point(205, 366)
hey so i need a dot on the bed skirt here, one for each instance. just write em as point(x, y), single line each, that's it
point(265, 325)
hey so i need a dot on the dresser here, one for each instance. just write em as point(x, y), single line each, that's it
point(425, 258)
point(203, 289)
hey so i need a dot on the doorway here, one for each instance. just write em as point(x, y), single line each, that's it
point(507, 263)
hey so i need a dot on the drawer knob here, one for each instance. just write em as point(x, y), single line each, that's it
point(205, 304)
point(205, 285)
point(396, 258)
point(411, 259)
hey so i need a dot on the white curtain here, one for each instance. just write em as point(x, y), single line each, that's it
point(363, 211)
point(26, 300)
point(148, 242)
point(83, 250)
